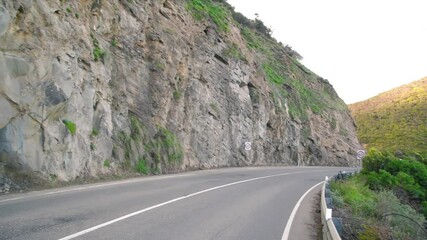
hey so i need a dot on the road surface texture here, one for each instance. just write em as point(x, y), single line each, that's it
point(232, 203)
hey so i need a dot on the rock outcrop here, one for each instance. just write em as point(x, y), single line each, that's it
point(94, 87)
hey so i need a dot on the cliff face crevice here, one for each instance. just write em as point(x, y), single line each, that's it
point(92, 88)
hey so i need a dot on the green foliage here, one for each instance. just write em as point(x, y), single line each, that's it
point(233, 51)
point(394, 120)
point(94, 133)
point(141, 166)
point(162, 151)
point(98, 53)
point(177, 95)
point(385, 171)
point(70, 125)
point(296, 86)
point(159, 66)
point(114, 43)
point(370, 232)
point(107, 163)
point(68, 10)
point(164, 148)
point(385, 216)
point(254, 41)
point(381, 180)
point(272, 75)
point(136, 129)
point(92, 146)
point(375, 160)
point(203, 9)
point(403, 221)
point(358, 196)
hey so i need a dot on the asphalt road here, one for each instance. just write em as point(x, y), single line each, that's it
point(232, 203)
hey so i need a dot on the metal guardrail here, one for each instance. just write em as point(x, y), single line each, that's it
point(329, 231)
point(329, 228)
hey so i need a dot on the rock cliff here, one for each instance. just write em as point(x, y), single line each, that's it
point(98, 88)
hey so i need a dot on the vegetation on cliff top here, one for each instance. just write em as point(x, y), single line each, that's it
point(294, 86)
point(395, 120)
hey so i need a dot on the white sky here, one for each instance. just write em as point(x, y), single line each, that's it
point(363, 47)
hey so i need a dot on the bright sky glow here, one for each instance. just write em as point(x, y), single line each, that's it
point(363, 47)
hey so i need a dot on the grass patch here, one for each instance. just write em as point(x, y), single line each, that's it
point(254, 40)
point(98, 52)
point(177, 95)
point(107, 163)
point(70, 126)
point(207, 9)
point(114, 43)
point(272, 74)
point(136, 129)
point(94, 133)
point(142, 167)
point(165, 148)
point(358, 196)
point(233, 51)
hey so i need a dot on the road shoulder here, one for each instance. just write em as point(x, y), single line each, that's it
point(307, 220)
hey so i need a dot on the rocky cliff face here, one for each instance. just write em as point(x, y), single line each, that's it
point(91, 88)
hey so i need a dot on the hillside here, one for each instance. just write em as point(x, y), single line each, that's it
point(394, 120)
point(95, 89)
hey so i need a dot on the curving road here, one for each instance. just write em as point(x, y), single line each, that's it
point(232, 203)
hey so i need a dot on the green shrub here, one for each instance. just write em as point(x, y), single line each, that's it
point(385, 171)
point(165, 148)
point(70, 125)
point(114, 43)
point(381, 180)
point(98, 53)
point(177, 95)
point(403, 221)
point(136, 129)
point(370, 232)
point(141, 166)
point(107, 163)
point(375, 160)
point(94, 133)
point(386, 216)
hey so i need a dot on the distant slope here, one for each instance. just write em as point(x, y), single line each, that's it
point(394, 120)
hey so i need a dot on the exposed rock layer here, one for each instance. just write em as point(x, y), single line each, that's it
point(100, 64)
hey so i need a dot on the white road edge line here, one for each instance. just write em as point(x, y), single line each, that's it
point(169, 202)
point(287, 230)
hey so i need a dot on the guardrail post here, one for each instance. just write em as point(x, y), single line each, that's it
point(331, 227)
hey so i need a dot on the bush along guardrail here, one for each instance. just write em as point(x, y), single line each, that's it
point(331, 227)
